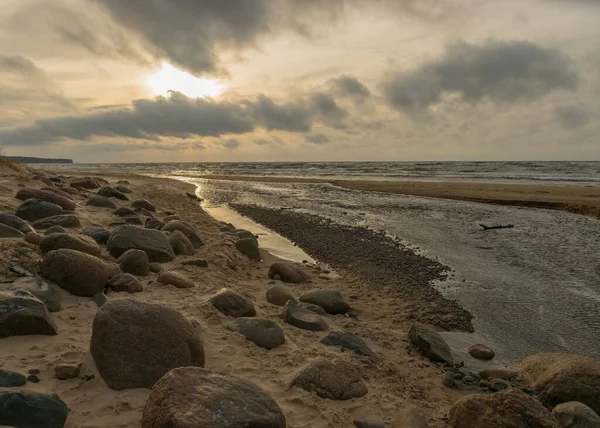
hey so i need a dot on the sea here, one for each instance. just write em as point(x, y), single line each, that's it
point(534, 288)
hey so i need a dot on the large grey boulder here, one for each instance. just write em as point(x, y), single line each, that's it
point(134, 343)
point(153, 242)
point(330, 300)
point(10, 232)
point(79, 273)
point(135, 262)
point(45, 195)
point(65, 220)
point(43, 290)
point(21, 313)
point(143, 204)
point(233, 304)
point(333, 380)
point(125, 282)
point(32, 410)
point(262, 332)
point(279, 295)
point(80, 243)
point(101, 202)
point(430, 343)
point(303, 318)
point(287, 272)
point(576, 415)
point(185, 228)
point(15, 222)
point(123, 189)
point(191, 397)
point(36, 209)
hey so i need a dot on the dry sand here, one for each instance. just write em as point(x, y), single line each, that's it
point(576, 199)
point(397, 377)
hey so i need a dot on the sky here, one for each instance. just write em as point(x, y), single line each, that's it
point(300, 80)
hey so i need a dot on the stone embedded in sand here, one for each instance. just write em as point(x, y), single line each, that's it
point(333, 380)
point(153, 242)
point(85, 183)
point(190, 397)
point(249, 247)
point(101, 202)
point(135, 262)
point(156, 268)
point(143, 204)
point(47, 292)
point(99, 299)
point(45, 195)
point(134, 343)
point(70, 191)
point(33, 238)
point(125, 282)
point(11, 379)
point(66, 371)
point(123, 189)
point(175, 279)
point(109, 192)
point(499, 373)
point(196, 262)
point(81, 243)
point(79, 273)
point(144, 212)
point(245, 234)
point(21, 313)
point(303, 318)
point(65, 220)
point(233, 304)
point(263, 332)
point(576, 415)
point(55, 229)
point(279, 295)
point(185, 228)
point(124, 212)
point(154, 223)
point(506, 409)
point(481, 352)
point(98, 234)
point(134, 220)
point(181, 244)
point(36, 209)
point(330, 300)
point(32, 409)
point(15, 222)
point(349, 341)
point(287, 272)
point(560, 378)
point(171, 218)
point(312, 307)
point(10, 232)
point(430, 343)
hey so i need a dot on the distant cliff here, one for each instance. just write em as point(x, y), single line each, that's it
point(21, 159)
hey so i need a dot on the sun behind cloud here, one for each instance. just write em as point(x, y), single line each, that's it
point(169, 78)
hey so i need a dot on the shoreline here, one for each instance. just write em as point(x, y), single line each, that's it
point(584, 200)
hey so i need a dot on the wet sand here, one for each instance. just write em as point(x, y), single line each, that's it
point(576, 199)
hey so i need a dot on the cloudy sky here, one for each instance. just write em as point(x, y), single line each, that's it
point(291, 80)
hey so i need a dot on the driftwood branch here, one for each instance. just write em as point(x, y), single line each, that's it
point(507, 226)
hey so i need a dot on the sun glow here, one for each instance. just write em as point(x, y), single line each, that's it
point(168, 78)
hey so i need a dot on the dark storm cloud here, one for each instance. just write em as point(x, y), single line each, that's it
point(350, 86)
point(572, 116)
point(293, 117)
point(499, 71)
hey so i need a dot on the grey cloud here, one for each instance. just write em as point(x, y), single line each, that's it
point(231, 144)
point(351, 86)
point(318, 138)
point(294, 117)
point(326, 106)
point(572, 116)
point(19, 64)
point(505, 72)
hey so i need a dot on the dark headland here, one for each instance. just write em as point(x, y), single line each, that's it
point(29, 160)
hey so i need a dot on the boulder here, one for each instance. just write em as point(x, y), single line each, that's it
point(136, 220)
point(47, 292)
point(245, 234)
point(125, 282)
point(191, 397)
point(134, 343)
point(135, 262)
point(287, 272)
point(154, 223)
point(99, 299)
point(263, 332)
point(101, 180)
point(144, 212)
point(233, 304)
point(101, 202)
point(80, 243)
point(430, 343)
point(21, 313)
point(124, 212)
point(481, 352)
point(171, 218)
point(66, 371)
point(560, 378)
point(123, 189)
point(65, 220)
point(279, 295)
point(506, 409)
point(175, 279)
point(79, 273)
point(45, 195)
point(32, 410)
point(249, 247)
point(153, 242)
point(71, 191)
point(11, 379)
point(10, 232)
point(313, 308)
point(85, 183)
point(330, 300)
point(576, 415)
point(196, 262)
point(143, 204)
point(15, 222)
point(33, 238)
point(55, 229)
point(98, 234)
point(109, 192)
point(348, 341)
point(181, 244)
point(333, 380)
point(36, 209)
point(184, 228)
point(303, 318)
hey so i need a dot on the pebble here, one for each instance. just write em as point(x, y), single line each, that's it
point(449, 379)
point(33, 378)
point(499, 385)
